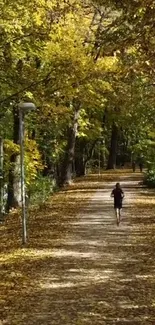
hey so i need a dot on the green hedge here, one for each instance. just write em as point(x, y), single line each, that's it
point(149, 178)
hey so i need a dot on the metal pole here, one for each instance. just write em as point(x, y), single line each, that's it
point(99, 160)
point(1, 178)
point(21, 125)
point(104, 157)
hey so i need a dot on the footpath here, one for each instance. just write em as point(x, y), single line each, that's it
point(96, 273)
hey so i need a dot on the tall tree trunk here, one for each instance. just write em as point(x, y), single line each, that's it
point(67, 165)
point(80, 157)
point(84, 152)
point(113, 148)
point(14, 186)
point(80, 166)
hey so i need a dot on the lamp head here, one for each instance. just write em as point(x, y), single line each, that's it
point(26, 107)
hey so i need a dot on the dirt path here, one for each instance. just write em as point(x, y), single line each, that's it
point(99, 273)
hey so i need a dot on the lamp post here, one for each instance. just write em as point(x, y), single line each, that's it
point(23, 109)
point(99, 159)
point(100, 142)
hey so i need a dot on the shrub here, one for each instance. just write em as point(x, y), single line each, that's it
point(149, 178)
point(41, 189)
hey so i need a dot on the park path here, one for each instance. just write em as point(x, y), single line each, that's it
point(100, 273)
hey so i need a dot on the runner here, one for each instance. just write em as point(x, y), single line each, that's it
point(118, 195)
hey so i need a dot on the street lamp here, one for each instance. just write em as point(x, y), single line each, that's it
point(23, 109)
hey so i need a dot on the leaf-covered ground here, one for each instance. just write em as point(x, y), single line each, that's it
point(79, 268)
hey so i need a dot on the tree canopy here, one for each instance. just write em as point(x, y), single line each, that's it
point(88, 65)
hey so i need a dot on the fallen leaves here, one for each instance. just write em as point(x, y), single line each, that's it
point(78, 267)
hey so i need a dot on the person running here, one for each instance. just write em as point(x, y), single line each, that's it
point(118, 195)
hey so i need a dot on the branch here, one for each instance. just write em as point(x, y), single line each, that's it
point(35, 83)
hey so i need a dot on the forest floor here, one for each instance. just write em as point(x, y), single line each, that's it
point(79, 267)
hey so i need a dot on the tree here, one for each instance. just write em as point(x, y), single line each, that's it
point(88, 67)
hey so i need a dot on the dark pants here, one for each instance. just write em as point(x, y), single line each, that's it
point(118, 204)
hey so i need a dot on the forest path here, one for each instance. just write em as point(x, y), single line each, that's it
point(98, 273)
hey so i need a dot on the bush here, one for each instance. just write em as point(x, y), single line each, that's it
point(149, 178)
point(41, 189)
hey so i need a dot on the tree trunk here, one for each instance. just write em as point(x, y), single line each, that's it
point(14, 186)
point(84, 152)
point(67, 165)
point(80, 166)
point(80, 157)
point(113, 148)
